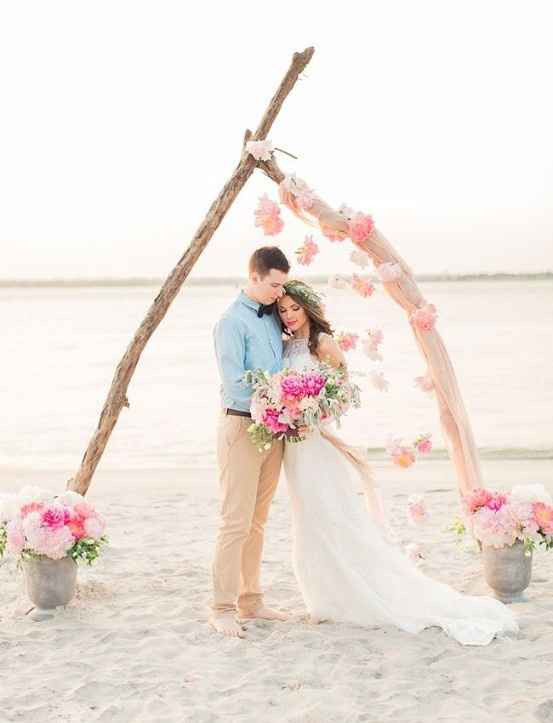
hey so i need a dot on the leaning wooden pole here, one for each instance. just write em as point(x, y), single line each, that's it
point(117, 395)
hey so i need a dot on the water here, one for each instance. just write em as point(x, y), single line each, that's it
point(60, 348)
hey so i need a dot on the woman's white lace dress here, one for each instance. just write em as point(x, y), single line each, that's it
point(347, 571)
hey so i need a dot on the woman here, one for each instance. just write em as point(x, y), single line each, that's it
point(345, 566)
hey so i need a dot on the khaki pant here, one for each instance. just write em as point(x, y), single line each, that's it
point(248, 480)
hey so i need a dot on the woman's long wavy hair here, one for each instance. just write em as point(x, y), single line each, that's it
point(310, 302)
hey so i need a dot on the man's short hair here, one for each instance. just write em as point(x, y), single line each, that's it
point(266, 258)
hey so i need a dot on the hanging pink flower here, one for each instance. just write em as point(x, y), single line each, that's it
point(360, 227)
point(401, 454)
point(425, 383)
point(389, 271)
point(425, 317)
point(337, 282)
point(260, 150)
point(347, 341)
point(307, 252)
point(267, 216)
point(416, 509)
point(360, 258)
point(362, 286)
point(423, 444)
point(371, 343)
point(379, 381)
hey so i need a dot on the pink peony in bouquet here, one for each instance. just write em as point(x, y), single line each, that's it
point(499, 519)
point(290, 400)
point(36, 523)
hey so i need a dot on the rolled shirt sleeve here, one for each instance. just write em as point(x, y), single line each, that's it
point(229, 337)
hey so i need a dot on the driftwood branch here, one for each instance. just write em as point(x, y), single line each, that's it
point(117, 396)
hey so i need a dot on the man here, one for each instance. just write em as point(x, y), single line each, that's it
point(248, 336)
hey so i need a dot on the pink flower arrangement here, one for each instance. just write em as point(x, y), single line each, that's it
point(260, 150)
point(285, 402)
point(39, 523)
point(425, 317)
point(267, 216)
point(499, 519)
point(362, 286)
point(360, 227)
point(307, 252)
point(417, 512)
point(347, 340)
point(389, 271)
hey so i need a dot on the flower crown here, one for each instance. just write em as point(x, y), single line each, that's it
point(304, 292)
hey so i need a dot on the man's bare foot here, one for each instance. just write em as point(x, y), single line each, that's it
point(264, 613)
point(226, 625)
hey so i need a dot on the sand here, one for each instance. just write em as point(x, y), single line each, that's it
point(134, 644)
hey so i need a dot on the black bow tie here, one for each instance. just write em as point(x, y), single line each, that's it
point(265, 309)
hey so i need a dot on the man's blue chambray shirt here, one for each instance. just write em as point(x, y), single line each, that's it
point(245, 341)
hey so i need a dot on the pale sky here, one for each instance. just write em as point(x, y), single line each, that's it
point(122, 120)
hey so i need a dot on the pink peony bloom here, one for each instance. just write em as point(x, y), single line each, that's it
point(389, 271)
point(292, 387)
point(416, 509)
point(76, 526)
point(94, 527)
point(267, 216)
point(313, 383)
point(494, 528)
point(496, 501)
point(404, 457)
point(478, 498)
point(360, 258)
point(425, 383)
point(260, 150)
point(347, 341)
point(362, 286)
point(83, 509)
point(307, 252)
point(543, 514)
point(270, 420)
point(54, 516)
point(423, 444)
point(360, 227)
point(424, 318)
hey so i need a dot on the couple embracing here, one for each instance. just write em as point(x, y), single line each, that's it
point(345, 566)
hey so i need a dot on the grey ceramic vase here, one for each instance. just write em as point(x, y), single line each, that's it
point(507, 570)
point(49, 582)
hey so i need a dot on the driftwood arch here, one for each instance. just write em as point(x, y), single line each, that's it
point(404, 291)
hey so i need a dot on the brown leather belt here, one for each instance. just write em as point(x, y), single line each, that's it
point(238, 413)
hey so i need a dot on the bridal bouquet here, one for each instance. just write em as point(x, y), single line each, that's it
point(499, 519)
point(36, 523)
point(285, 402)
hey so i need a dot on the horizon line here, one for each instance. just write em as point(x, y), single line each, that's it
point(234, 280)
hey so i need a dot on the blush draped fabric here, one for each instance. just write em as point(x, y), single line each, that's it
point(404, 291)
